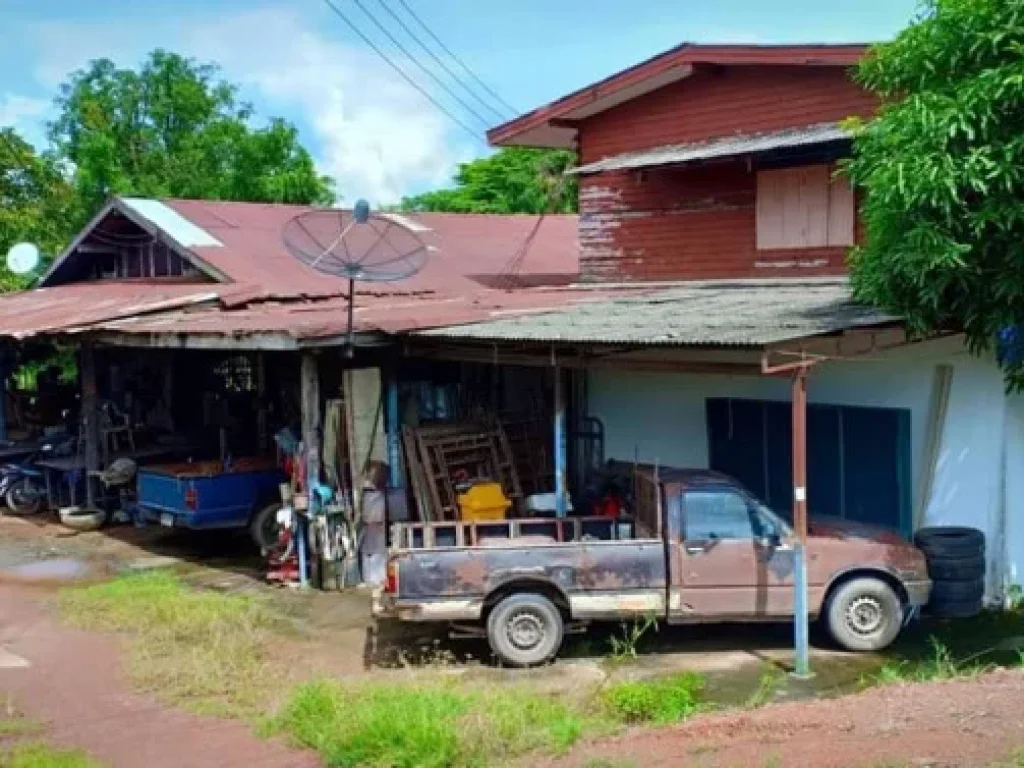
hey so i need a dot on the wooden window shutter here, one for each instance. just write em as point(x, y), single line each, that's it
point(803, 208)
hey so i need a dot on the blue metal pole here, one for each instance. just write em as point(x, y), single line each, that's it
point(801, 665)
point(300, 544)
point(561, 496)
point(394, 425)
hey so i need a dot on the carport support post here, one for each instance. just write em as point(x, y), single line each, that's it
point(561, 497)
point(5, 371)
point(90, 420)
point(801, 666)
point(309, 376)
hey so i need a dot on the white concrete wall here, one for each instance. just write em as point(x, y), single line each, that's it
point(977, 482)
point(661, 416)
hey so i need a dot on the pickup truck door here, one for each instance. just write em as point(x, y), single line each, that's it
point(729, 561)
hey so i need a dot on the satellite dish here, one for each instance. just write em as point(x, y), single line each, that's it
point(355, 245)
point(22, 258)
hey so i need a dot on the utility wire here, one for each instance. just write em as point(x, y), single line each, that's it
point(461, 81)
point(472, 131)
point(429, 72)
point(457, 60)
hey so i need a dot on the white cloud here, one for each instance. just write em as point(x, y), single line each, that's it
point(24, 114)
point(373, 133)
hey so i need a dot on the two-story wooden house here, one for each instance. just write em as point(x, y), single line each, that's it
point(711, 172)
point(710, 161)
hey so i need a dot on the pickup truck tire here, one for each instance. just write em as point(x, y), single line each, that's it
point(525, 629)
point(263, 528)
point(864, 614)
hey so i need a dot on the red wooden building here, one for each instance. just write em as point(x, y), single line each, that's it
point(710, 161)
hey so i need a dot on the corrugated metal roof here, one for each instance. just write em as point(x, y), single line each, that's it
point(744, 312)
point(744, 144)
point(46, 310)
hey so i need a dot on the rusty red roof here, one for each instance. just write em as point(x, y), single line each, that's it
point(254, 286)
point(467, 250)
point(46, 310)
point(541, 127)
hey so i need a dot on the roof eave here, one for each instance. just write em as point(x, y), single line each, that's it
point(525, 129)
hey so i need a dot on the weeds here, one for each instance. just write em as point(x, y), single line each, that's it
point(770, 680)
point(441, 725)
point(41, 756)
point(624, 648)
point(661, 700)
point(940, 665)
point(204, 650)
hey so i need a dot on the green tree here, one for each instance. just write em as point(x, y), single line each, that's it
point(173, 128)
point(512, 180)
point(36, 202)
point(942, 172)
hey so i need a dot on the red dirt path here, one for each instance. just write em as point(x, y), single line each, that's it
point(76, 687)
point(956, 723)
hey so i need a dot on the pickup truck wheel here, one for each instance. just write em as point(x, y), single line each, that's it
point(525, 630)
point(264, 528)
point(864, 615)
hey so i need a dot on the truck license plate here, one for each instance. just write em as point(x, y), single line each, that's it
point(167, 520)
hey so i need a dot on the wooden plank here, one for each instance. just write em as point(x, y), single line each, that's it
point(842, 212)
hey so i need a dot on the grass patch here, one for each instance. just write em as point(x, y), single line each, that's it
point(42, 756)
point(660, 700)
point(203, 650)
point(441, 725)
point(624, 647)
point(940, 665)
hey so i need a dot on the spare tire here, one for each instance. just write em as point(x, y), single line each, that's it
point(957, 568)
point(950, 541)
point(959, 609)
point(957, 591)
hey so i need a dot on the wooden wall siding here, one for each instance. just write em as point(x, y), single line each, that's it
point(679, 224)
point(721, 102)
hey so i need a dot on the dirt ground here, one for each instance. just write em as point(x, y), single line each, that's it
point(950, 724)
point(75, 683)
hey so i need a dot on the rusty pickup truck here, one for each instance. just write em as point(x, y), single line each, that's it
point(700, 548)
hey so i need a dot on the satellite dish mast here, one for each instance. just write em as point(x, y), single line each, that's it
point(357, 246)
point(22, 258)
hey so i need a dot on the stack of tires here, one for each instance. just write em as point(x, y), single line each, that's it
point(956, 564)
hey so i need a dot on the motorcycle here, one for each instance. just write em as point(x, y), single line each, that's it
point(22, 486)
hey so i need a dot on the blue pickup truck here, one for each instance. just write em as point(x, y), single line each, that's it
point(207, 495)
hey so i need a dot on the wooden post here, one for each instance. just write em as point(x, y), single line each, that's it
point(310, 391)
point(801, 666)
point(5, 372)
point(262, 438)
point(309, 376)
point(90, 420)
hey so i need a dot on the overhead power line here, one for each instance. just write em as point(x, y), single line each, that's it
point(405, 76)
point(457, 60)
point(460, 80)
point(426, 70)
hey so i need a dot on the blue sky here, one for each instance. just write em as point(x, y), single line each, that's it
point(365, 126)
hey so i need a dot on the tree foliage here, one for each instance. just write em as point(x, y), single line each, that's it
point(942, 172)
point(512, 180)
point(36, 201)
point(174, 129)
